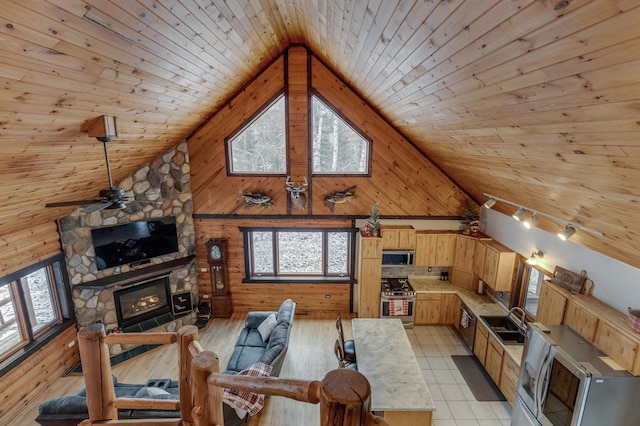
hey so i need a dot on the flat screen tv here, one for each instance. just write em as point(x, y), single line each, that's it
point(134, 242)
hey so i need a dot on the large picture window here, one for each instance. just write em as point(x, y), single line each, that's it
point(285, 254)
point(32, 301)
point(338, 148)
point(260, 147)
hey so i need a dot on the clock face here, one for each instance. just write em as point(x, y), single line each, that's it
point(215, 253)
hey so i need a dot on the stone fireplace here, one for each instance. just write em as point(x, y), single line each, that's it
point(166, 186)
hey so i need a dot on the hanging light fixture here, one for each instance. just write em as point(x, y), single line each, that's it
point(489, 203)
point(531, 222)
point(519, 214)
point(535, 257)
point(567, 232)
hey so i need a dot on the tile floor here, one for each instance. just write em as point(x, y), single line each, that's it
point(455, 404)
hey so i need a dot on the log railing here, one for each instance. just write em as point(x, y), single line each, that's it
point(344, 395)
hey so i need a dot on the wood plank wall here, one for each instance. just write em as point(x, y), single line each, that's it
point(402, 179)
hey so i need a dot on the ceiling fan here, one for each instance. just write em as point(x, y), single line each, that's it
point(110, 198)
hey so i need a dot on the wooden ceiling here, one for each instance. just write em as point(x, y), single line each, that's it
point(536, 102)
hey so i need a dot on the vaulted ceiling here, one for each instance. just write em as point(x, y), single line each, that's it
point(536, 102)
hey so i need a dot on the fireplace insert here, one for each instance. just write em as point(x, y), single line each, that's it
point(142, 301)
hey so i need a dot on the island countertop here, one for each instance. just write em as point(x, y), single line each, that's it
point(480, 304)
point(386, 359)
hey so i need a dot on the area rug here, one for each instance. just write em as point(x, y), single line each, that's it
point(477, 378)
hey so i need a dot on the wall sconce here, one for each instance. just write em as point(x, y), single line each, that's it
point(567, 232)
point(531, 222)
point(104, 128)
point(519, 214)
point(535, 258)
point(489, 203)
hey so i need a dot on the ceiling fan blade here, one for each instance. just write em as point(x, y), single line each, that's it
point(96, 207)
point(70, 203)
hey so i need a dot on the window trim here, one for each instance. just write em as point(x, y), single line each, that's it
point(348, 122)
point(276, 277)
point(248, 122)
point(33, 342)
point(519, 295)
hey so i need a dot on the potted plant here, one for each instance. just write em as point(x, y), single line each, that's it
point(372, 226)
point(470, 218)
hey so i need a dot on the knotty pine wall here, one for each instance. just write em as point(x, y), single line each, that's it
point(402, 179)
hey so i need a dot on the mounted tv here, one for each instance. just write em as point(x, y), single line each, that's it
point(134, 243)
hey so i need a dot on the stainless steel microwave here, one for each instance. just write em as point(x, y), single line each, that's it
point(398, 257)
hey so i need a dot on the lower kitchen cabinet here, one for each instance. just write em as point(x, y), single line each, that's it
point(493, 361)
point(428, 308)
point(480, 343)
point(509, 378)
point(450, 312)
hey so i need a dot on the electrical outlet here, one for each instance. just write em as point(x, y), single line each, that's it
point(429, 269)
point(203, 269)
point(71, 343)
point(205, 296)
point(327, 296)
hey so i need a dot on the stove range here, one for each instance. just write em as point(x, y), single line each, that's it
point(396, 287)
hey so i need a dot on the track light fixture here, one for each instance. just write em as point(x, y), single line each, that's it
point(519, 214)
point(535, 258)
point(531, 222)
point(565, 234)
point(489, 203)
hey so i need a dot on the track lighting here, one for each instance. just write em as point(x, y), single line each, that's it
point(567, 232)
point(519, 214)
point(489, 203)
point(531, 222)
point(535, 258)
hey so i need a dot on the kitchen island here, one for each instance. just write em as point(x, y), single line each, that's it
point(386, 359)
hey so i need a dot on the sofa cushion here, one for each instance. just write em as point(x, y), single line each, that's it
point(153, 392)
point(244, 357)
point(267, 326)
point(255, 318)
point(250, 337)
point(284, 312)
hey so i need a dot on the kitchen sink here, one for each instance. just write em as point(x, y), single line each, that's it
point(505, 328)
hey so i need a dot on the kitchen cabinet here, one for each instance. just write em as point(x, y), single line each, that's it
point(369, 276)
point(581, 320)
point(481, 341)
point(463, 264)
point(551, 304)
point(428, 309)
point(509, 378)
point(434, 249)
point(398, 237)
point(499, 266)
point(479, 254)
point(493, 361)
point(616, 344)
point(450, 310)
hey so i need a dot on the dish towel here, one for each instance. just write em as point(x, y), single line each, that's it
point(398, 307)
point(464, 319)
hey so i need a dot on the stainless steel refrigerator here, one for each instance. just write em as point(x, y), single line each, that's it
point(564, 380)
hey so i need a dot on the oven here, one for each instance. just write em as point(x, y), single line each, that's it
point(398, 300)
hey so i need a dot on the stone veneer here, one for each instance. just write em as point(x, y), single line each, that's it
point(166, 184)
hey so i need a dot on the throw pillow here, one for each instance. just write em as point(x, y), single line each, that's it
point(247, 402)
point(146, 392)
point(267, 327)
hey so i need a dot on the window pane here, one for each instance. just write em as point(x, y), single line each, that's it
point(300, 252)
point(261, 147)
point(532, 294)
point(338, 253)
point(40, 299)
point(262, 245)
point(9, 331)
point(337, 147)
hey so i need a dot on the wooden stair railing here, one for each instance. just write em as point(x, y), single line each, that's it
point(344, 395)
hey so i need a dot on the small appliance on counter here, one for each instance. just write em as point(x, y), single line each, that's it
point(397, 300)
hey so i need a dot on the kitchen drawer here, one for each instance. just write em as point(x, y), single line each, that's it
point(509, 378)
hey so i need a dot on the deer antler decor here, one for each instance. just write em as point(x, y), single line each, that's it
point(298, 198)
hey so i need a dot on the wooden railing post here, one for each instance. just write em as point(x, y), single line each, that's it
point(345, 398)
point(208, 399)
point(96, 368)
point(186, 335)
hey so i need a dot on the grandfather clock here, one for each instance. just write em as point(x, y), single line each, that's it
point(217, 258)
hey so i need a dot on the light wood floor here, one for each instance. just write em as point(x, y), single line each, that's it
point(310, 356)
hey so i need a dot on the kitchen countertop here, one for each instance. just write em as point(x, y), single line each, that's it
point(480, 304)
point(383, 347)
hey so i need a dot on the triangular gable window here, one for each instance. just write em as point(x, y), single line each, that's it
point(338, 148)
point(260, 147)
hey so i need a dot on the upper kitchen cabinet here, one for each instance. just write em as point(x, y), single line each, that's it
point(551, 304)
point(434, 249)
point(398, 237)
point(465, 247)
point(499, 266)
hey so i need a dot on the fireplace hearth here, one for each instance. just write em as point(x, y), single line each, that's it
point(142, 301)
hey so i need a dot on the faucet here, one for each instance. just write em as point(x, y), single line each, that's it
point(523, 324)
